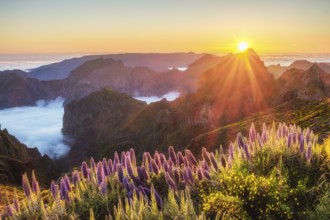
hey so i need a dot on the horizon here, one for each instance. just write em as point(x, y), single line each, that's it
point(105, 27)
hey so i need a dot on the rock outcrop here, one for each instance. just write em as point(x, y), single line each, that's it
point(16, 159)
point(312, 84)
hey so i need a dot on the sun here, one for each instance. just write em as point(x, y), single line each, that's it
point(242, 46)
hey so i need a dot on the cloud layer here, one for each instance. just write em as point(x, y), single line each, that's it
point(38, 126)
point(169, 97)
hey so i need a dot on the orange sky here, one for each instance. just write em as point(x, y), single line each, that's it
point(105, 26)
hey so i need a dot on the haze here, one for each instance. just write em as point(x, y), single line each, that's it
point(105, 26)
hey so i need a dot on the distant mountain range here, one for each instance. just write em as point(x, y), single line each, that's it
point(158, 62)
point(17, 88)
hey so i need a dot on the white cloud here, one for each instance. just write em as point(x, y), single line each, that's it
point(169, 97)
point(38, 126)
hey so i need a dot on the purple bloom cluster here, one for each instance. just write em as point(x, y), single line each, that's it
point(180, 169)
point(291, 135)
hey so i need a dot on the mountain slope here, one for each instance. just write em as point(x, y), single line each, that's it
point(16, 159)
point(278, 70)
point(229, 84)
point(312, 84)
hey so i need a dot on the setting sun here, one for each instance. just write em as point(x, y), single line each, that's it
point(242, 46)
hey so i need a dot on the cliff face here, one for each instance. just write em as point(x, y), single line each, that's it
point(97, 117)
point(16, 159)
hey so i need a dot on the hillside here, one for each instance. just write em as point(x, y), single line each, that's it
point(16, 159)
point(277, 172)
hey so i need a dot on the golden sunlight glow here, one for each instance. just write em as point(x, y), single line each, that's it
point(242, 46)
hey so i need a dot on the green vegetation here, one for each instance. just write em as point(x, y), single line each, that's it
point(281, 172)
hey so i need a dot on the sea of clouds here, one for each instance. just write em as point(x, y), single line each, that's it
point(38, 126)
point(149, 99)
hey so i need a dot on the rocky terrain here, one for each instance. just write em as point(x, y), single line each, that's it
point(16, 159)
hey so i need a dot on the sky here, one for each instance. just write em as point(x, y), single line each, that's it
point(109, 26)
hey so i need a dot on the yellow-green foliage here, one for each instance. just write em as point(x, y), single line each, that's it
point(281, 173)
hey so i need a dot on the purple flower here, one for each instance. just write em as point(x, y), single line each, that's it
point(116, 159)
point(129, 167)
point(172, 154)
point(100, 173)
point(93, 165)
point(75, 177)
point(10, 211)
point(158, 200)
point(165, 165)
point(157, 159)
point(170, 181)
point(206, 174)
point(214, 162)
point(206, 156)
point(180, 158)
point(302, 143)
point(199, 174)
point(186, 161)
point(264, 135)
point(190, 157)
point(240, 140)
point(16, 203)
point(103, 188)
point(64, 194)
point(143, 175)
point(146, 159)
point(67, 183)
point(252, 133)
point(123, 158)
point(176, 175)
point(162, 158)
point(289, 140)
point(120, 172)
point(154, 166)
point(309, 151)
point(247, 152)
point(84, 169)
point(54, 189)
point(132, 155)
point(26, 185)
point(185, 176)
point(111, 167)
point(125, 183)
point(190, 174)
point(279, 129)
point(35, 184)
point(106, 169)
point(170, 162)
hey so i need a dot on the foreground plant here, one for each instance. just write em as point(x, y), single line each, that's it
point(273, 174)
